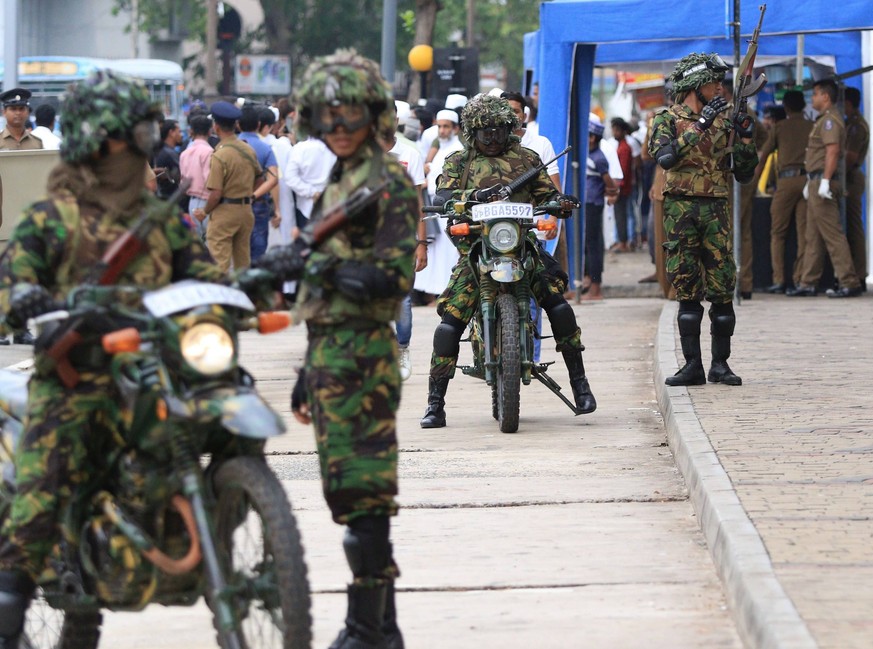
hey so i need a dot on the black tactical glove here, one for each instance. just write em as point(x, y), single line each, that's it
point(299, 395)
point(363, 282)
point(487, 195)
point(744, 125)
point(568, 202)
point(710, 112)
point(28, 301)
point(286, 262)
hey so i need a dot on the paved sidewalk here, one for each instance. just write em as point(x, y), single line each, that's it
point(779, 469)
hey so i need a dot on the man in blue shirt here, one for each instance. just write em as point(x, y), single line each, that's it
point(263, 205)
point(598, 186)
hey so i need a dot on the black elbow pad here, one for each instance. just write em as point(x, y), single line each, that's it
point(667, 156)
point(364, 282)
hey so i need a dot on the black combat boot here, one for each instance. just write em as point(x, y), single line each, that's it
point(16, 589)
point(435, 415)
point(689, 318)
point(722, 323)
point(368, 552)
point(393, 637)
point(585, 401)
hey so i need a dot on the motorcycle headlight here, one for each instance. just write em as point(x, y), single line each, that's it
point(207, 348)
point(503, 236)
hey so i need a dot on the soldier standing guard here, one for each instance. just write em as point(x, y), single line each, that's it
point(95, 195)
point(233, 172)
point(16, 110)
point(352, 287)
point(822, 190)
point(690, 141)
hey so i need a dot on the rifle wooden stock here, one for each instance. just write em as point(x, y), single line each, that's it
point(59, 353)
point(334, 218)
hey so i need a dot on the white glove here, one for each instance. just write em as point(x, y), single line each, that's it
point(824, 189)
point(806, 191)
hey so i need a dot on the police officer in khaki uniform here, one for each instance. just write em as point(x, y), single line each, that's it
point(857, 141)
point(16, 110)
point(826, 142)
point(233, 169)
point(788, 138)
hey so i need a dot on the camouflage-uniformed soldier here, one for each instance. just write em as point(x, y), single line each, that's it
point(857, 141)
point(94, 195)
point(826, 143)
point(233, 169)
point(492, 158)
point(788, 137)
point(352, 286)
point(16, 110)
point(690, 141)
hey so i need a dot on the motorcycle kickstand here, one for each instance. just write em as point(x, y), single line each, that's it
point(552, 385)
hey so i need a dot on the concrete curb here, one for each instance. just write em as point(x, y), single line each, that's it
point(766, 617)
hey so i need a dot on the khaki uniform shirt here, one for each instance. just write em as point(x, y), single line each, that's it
point(829, 128)
point(27, 143)
point(233, 172)
point(857, 137)
point(789, 137)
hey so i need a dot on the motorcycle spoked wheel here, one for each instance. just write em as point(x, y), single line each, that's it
point(50, 628)
point(257, 537)
point(508, 383)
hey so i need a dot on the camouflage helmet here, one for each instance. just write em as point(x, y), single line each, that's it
point(105, 104)
point(484, 111)
point(696, 70)
point(344, 77)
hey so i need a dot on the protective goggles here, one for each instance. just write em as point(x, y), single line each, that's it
point(492, 135)
point(714, 62)
point(328, 118)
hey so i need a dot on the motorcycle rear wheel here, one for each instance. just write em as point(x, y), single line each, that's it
point(509, 370)
point(258, 539)
point(49, 628)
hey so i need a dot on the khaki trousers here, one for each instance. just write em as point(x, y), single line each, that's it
point(228, 236)
point(788, 201)
point(823, 227)
point(854, 224)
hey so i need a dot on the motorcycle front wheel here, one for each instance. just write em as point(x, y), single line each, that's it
point(259, 542)
point(508, 386)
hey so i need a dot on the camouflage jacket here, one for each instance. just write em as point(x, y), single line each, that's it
point(383, 235)
point(704, 161)
point(59, 240)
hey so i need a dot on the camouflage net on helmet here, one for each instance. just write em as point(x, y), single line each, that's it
point(104, 104)
point(345, 77)
point(692, 72)
point(484, 111)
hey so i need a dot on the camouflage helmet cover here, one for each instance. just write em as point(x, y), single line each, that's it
point(696, 70)
point(484, 111)
point(105, 104)
point(345, 77)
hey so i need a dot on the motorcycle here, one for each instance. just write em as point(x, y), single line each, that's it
point(187, 505)
point(503, 256)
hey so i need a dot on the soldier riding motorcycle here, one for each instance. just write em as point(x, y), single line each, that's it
point(484, 172)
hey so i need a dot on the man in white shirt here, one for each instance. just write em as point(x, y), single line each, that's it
point(306, 173)
point(447, 141)
point(45, 124)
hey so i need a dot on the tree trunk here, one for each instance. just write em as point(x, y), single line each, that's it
point(425, 20)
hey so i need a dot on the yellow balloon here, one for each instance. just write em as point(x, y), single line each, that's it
point(421, 58)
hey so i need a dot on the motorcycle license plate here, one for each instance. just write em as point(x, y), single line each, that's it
point(190, 294)
point(502, 210)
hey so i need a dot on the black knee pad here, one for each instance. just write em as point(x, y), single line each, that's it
point(561, 316)
point(447, 336)
point(366, 545)
point(689, 318)
point(16, 589)
point(722, 319)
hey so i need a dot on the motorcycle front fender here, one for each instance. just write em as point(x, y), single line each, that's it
point(242, 412)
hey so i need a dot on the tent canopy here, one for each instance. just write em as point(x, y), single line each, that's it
point(576, 35)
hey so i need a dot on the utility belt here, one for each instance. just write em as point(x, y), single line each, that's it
point(815, 175)
point(791, 173)
point(349, 324)
point(237, 201)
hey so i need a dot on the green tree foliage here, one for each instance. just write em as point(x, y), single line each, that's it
point(307, 28)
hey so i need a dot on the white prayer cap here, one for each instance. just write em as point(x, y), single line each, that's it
point(496, 92)
point(450, 115)
point(455, 101)
point(403, 110)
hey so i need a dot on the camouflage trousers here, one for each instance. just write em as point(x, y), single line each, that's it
point(460, 299)
point(64, 433)
point(699, 249)
point(354, 391)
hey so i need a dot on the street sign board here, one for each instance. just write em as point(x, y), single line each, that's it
point(262, 74)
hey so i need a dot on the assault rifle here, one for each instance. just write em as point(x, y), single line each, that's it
point(113, 262)
point(332, 219)
point(744, 85)
point(508, 190)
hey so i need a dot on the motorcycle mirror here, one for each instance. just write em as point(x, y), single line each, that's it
point(272, 321)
